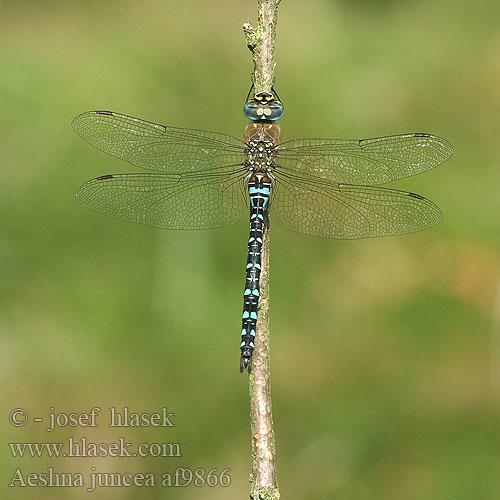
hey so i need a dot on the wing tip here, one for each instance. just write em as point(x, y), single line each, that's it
point(445, 145)
point(449, 150)
point(435, 213)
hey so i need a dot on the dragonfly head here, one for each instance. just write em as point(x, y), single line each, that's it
point(264, 107)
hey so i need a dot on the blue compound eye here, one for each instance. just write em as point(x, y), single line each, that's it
point(259, 111)
point(277, 110)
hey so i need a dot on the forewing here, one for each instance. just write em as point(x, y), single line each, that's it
point(170, 201)
point(368, 161)
point(345, 211)
point(157, 147)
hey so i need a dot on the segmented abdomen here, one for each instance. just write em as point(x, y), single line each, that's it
point(259, 189)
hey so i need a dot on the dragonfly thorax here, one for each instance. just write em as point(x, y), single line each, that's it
point(260, 155)
point(261, 140)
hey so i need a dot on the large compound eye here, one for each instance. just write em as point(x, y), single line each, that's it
point(251, 110)
point(260, 111)
point(276, 111)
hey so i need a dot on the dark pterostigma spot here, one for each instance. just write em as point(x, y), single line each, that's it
point(103, 177)
point(421, 135)
point(104, 113)
point(413, 195)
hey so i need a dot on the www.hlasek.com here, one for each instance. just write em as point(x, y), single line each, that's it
point(83, 448)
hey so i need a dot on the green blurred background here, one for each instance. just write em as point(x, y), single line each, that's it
point(385, 352)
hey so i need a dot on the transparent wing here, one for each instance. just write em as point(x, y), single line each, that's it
point(170, 201)
point(368, 161)
point(157, 147)
point(344, 211)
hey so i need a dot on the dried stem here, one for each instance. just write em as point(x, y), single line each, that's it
point(260, 41)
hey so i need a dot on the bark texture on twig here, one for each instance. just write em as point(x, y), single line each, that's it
point(260, 41)
point(264, 482)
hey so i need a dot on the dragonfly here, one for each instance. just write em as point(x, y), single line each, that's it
point(201, 179)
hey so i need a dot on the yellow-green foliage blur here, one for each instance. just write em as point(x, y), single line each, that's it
point(385, 352)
